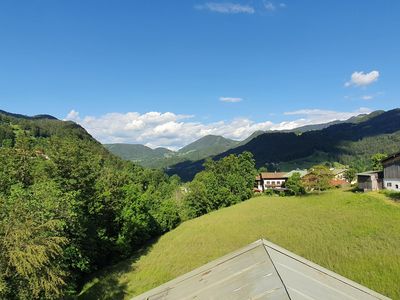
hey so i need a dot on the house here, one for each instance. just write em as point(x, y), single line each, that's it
point(391, 171)
point(261, 270)
point(270, 180)
point(339, 174)
point(370, 181)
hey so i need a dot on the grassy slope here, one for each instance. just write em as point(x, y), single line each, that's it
point(355, 235)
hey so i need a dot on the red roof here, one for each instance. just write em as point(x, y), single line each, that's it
point(338, 182)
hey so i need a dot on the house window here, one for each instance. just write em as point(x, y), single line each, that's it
point(272, 182)
point(389, 184)
point(268, 182)
point(397, 186)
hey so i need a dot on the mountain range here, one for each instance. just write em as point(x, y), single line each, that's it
point(207, 146)
point(352, 143)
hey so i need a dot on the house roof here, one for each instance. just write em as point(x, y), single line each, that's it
point(338, 171)
point(390, 157)
point(301, 172)
point(261, 270)
point(368, 173)
point(272, 175)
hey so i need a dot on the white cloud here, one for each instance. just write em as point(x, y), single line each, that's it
point(362, 79)
point(72, 116)
point(269, 6)
point(319, 116)
point(282, 5)
point(367, 97)
point(230, 99)
point(226, 8)
point(155, 129)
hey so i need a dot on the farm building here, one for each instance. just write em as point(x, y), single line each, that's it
point(391, 171)
point(370, 181)
point(261, 270)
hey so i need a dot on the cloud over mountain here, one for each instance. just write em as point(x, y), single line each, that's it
point(173, 131)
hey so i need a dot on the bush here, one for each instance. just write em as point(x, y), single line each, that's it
point(294, 185)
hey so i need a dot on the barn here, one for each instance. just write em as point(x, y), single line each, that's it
point(370, 181)
point(391, 170)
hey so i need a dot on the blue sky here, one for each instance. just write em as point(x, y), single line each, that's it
point(276, 64)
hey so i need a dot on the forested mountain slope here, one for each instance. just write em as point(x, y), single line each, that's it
point(349, 143)
point(69, 207)
point(137, 152)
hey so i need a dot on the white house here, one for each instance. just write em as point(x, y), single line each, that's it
point(391, 172)
point(270, 180)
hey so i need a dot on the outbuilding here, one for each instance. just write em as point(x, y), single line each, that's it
point(370, 181)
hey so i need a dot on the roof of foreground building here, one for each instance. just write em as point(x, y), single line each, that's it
point(261, 270)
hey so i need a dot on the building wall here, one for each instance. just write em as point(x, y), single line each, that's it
point(369, 183)
point(392, 184)
point(273, 183)
point(364, 183)
point(392, 171)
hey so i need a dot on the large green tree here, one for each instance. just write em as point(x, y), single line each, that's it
point(222, 183)
point(318, 178)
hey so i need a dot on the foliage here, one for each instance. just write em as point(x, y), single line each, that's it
point(318, 178)
point(350, 174)
point(31, 242)
point(377, 161)
point(222, 184)
point(68, 207)
point(294, 185)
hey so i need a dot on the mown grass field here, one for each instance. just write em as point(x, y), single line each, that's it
point(354, 234)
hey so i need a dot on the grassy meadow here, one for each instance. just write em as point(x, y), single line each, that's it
point(354, 234)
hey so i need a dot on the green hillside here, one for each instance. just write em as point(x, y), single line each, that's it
point(137, 152)
point(206, 146)
point(354, 234)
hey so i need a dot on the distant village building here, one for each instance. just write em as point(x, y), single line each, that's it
point(274, 180)
point(270, 180)
point(339, 174)
point(391, 172)
point(370, 181)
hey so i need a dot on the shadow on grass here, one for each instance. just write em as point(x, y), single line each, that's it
point(395, 196)
point(105, 284)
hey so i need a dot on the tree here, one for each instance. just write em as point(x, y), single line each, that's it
point(318, 178)
point(294, 185)
point(377, 161)
point(31, 244)
point(350, 174)
point(223, 183)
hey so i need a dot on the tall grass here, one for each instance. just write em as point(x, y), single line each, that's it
point(355, 235)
